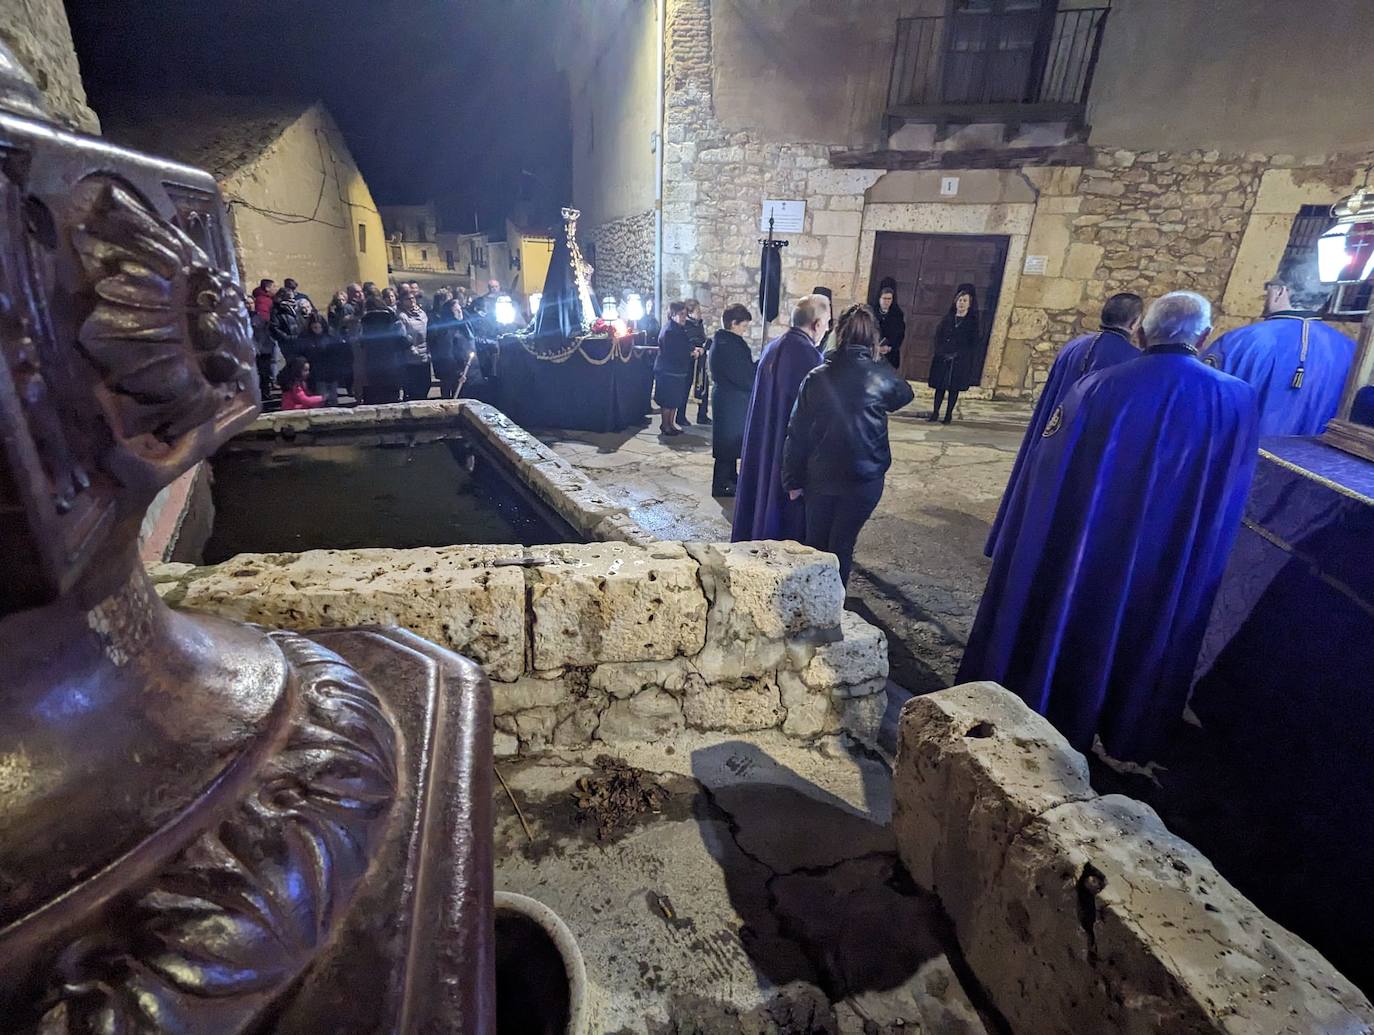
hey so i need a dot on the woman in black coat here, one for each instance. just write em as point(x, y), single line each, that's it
point(956, 351)
point(673, 369)
point(836, 454)
point(732, 371)
point(891, 323)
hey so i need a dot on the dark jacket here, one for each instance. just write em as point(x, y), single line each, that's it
point(674, 351)
point(696, 333)
point(386, 349)
point(330, 357)
point(732, 371)
point(284, 325)
point(892, 329)
point(837, 437)
point(956, 351)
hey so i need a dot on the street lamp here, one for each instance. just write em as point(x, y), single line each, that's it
point(505, 311)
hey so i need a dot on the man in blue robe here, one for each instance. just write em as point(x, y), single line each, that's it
point(762, 509)
point(1113, 344)
point(1115, 540)
point(1296, 364)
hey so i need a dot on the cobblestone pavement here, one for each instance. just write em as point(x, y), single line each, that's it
point(919, 568)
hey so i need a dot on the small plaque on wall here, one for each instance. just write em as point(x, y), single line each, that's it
point(788, 216)
point(1036, 265)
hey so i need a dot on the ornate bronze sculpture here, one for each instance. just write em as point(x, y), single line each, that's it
point(204, 826)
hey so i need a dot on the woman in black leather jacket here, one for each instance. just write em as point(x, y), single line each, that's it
point(836, 452)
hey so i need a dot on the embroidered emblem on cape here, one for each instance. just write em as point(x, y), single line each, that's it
point(1056, 422)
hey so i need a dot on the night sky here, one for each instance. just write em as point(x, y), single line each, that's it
point(444, 99)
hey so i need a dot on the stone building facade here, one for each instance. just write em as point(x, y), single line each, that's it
point(38, 34)
point(1157, 189)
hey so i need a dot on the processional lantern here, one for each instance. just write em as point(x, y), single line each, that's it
point(1345, 254)
point(634, 307)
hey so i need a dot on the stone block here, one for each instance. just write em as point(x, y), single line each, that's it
point(854, 666)
point(1079, 913)
point(769, 590)
point(1049, 292)
point(808, 714)
point(842, 181)
point(450, 595)
point(836, 224)
point(1082, 260)
point(1054, 205)
point(646, 716)
point(974, 766)
point(527, 692)
point(1027, 324)
point(840, 256)
point(615, 602)
point(1146, 937)
point(626, 679)
point(736, 707)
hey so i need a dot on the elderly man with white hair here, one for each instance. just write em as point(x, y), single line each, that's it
point(1114, 543)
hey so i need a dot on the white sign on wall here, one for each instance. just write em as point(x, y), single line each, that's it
point(788, 216)
point(1036, 265)
point(949, 186)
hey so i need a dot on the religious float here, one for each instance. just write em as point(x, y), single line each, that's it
point(205, 826)
point(573, 367)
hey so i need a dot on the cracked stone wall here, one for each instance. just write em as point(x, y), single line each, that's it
point(38, 34)
point(601, 642)
point(625, 255)
point(1082, 913)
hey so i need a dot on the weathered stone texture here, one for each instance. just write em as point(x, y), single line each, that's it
point(625, 255)
point(615, 602)
point(38, 34)
point(602, 641)
point(1081, 913)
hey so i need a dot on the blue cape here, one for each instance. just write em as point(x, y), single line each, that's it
point(762, 509)
point(1113, 547)
point(1266, 354)
point(1082, 356)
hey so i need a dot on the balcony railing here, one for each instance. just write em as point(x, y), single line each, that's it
point(1019, 62)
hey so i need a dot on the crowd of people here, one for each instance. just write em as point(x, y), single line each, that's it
point(377, 345)
point(1123, 504)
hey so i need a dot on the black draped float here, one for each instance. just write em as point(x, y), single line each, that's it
point(570, 369)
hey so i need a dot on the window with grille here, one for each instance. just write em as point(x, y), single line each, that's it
point(1298, 266)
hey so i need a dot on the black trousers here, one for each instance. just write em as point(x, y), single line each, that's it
point(724, 474)
point(416, 381)
point(833, 522)
point(265, 384)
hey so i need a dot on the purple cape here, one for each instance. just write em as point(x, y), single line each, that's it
point(1266, 354)
point(762, 509)
point(1079, 358)
point(1113, 547)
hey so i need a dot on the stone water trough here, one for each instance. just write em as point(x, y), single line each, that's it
point(617, 638)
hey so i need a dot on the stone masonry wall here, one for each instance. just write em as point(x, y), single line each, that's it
point(598, 642)
point(39, 35)
point(715, 181)
point(625, 255)
point(1149, 222)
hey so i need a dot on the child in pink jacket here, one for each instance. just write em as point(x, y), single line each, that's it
point(292, 381)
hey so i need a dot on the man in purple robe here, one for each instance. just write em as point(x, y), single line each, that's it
point(1116, 540)
point(1297, 364)
point(762, 509)
point(1113, 344)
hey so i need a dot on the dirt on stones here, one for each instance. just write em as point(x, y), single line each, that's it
point(615, 795)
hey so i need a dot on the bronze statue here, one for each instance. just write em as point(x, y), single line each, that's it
point(204, 826)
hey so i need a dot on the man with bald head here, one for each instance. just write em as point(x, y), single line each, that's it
point(1115, 540)
point(762, 507)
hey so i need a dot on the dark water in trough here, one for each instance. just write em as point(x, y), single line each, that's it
point(348, 496)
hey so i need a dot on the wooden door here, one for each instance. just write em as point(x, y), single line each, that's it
point(927, 269)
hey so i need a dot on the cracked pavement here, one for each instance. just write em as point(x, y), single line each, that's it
point(919, 568)
point(766, 896)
